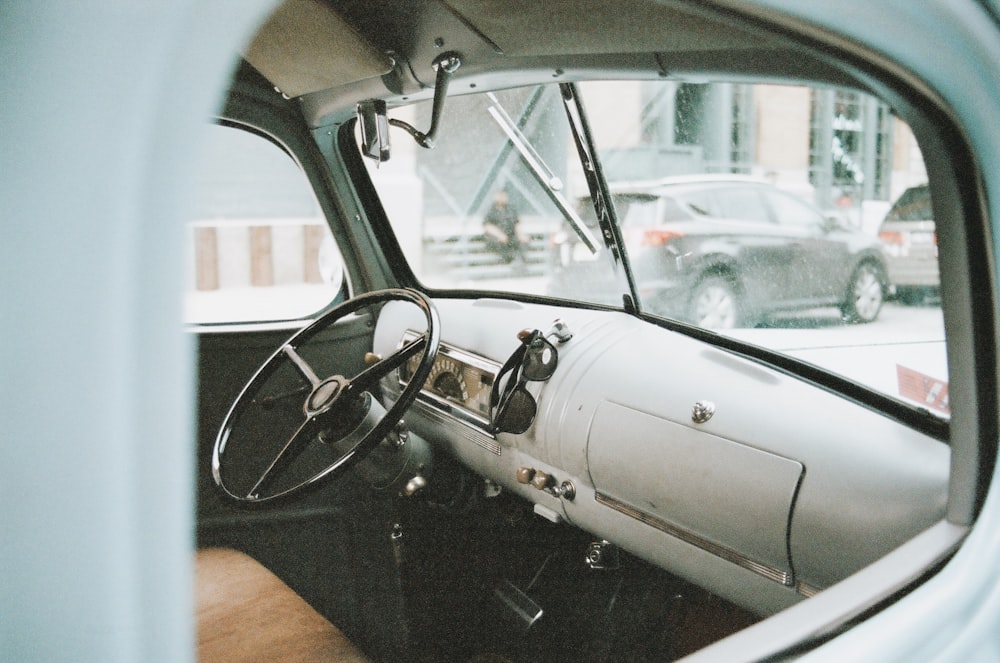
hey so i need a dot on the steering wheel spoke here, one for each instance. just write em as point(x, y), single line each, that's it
point(343, 420)
point(285, 456)
point(300, 363)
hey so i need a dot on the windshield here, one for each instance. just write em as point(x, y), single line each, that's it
point(501, 195)
point(749, 210)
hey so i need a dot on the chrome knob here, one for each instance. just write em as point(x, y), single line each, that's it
point(702, 411)
point(565, 490)
point(560, 330)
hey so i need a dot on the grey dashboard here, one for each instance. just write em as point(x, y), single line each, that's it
point(750, 482)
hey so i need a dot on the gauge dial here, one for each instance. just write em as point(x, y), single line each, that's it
point(446, 380)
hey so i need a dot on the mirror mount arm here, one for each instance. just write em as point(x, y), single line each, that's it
point(446, 64)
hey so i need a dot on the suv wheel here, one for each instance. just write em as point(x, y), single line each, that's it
point(715, 304)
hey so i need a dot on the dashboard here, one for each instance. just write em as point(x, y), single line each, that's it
point(739, 477)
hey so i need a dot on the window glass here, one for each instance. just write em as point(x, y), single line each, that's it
point(675, 210)
point(829, 284)
point(742, 203)
point(913, 205)
point(701, 202)
point(640, 212)
point(260, 248)
point(499, 195)
point(791, 211)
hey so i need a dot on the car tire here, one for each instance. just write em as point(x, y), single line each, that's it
point(715, 304)
point(865, 294)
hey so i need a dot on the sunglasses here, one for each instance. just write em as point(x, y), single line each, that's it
point(512, 407)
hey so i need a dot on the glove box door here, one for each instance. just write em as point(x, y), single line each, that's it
point(725, 497)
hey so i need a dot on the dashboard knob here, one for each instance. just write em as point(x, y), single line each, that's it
point(560, 330)
point(525, 474)
point(541, 480)
point(702, 411)
point(565, 490)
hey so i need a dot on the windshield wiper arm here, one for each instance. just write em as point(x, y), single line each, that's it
point(550, 183)
point(598, 185)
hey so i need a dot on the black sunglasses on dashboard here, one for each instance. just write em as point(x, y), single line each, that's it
point(512, 407)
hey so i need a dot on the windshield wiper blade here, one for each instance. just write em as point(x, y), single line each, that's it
point(598, 185)
point(550, 183)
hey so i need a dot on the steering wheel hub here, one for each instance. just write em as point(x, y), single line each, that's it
point(324, 395)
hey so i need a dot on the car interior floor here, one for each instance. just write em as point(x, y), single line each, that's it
point(492, 581)
point(477, 579)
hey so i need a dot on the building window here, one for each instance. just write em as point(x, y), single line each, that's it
point(850, 144)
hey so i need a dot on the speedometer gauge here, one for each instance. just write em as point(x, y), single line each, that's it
point(446, 381)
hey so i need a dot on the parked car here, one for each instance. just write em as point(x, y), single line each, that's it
point(909, 240)
point(425, 467)
point(726, 251)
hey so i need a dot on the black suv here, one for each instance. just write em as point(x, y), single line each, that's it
point(725, 251)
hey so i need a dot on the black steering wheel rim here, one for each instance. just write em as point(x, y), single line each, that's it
point(326, 393)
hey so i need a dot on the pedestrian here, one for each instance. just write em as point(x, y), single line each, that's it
point(501, 229)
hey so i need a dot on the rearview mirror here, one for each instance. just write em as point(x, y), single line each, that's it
point(374, 129)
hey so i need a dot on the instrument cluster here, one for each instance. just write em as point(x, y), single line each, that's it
point(459, 382)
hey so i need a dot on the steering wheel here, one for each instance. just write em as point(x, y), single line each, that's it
point(270, 446)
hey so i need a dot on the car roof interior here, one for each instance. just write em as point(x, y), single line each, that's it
point(388, 50)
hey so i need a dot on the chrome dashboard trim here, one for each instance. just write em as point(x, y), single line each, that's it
point(807, 591)
point(457, 426)
point(454, 352)
point(777, 575)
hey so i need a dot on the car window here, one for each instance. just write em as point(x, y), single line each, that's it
point(741, 204)
point(828, 297)
point(913, 205)
point(673, 209)
point(260, 248)
point(790, 211)
point(701, 202)
point(640, 213)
